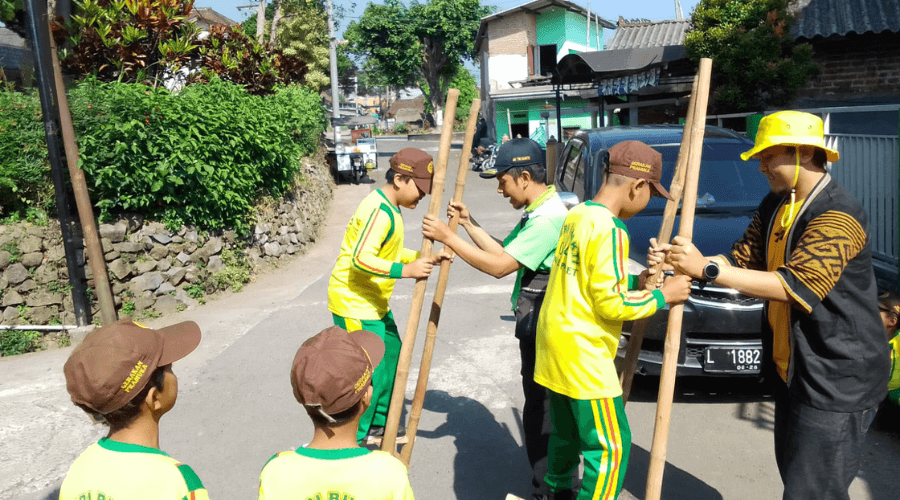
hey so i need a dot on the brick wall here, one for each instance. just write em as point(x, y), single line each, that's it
point(511, 35)
point(855, 66)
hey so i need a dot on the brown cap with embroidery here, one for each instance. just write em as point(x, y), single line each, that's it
point(639, 161)
point(890, 302)
point(417, 164)
point(332, 370)
point(114, 363)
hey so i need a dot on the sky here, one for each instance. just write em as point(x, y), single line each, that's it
point(654, 10)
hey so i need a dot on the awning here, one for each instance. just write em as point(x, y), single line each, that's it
point(639, 66)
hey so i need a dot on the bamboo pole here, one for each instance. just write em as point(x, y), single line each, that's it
point(389, 441)
point(639, 328)
point(676, 312)
point(418, 401)
point(82, 198)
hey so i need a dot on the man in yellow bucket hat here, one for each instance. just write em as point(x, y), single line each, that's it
point(807, 252)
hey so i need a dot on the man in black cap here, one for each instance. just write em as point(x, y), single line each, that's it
point(527, 251)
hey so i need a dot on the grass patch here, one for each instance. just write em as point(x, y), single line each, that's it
point(14, 342)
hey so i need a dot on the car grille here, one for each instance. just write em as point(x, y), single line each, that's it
point(702, 290)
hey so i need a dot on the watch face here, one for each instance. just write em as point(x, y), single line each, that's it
point(711, 271)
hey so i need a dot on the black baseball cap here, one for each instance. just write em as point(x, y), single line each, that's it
point(517, 152)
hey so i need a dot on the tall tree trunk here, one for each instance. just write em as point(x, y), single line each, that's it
point(275, 20)
point(260, 21)
point(435, 60)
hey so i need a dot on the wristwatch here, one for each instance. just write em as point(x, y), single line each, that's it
point(711, 271)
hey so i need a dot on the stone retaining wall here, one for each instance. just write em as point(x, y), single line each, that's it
point(153, 271)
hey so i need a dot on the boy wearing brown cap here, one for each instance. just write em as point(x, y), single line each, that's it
point(372, 257)
point(589, 295)
point(332, 379)
point(122, 375)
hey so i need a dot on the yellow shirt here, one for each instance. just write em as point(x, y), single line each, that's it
point(587, 300)
point(371, 258)
point(779, 312)
point(113, 470)
point(894, 382)
point(350, 473)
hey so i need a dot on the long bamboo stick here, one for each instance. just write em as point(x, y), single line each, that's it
point(676, 312)
point(415, 411)
point(639, 328)
point(389, 441)
point(82, 197)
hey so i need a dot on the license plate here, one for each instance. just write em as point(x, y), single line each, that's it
point(732, 360)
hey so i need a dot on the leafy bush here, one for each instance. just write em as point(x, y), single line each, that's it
point(233, 56)
point(198, 157)
point(25, 184)
point(14, 342)
point(127, 40)
point(401, 128)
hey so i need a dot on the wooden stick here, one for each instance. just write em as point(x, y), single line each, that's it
point(639, 328)
point(676, 312)
point(388, 443)
point(415, 411)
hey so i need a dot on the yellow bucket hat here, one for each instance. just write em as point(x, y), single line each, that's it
point(790, 128)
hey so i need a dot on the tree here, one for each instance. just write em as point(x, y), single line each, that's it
point(303, 33)
point(464, 82)
point(756, 62)
point(422, 44)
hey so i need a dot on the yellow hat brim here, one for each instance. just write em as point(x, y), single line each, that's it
point(790, 140)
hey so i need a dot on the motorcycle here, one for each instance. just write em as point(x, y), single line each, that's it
point(484, 160)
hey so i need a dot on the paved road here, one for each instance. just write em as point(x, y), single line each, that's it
point(235, 407)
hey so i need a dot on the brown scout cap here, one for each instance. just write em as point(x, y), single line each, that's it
point(890, 302)
point(417, 164)
point(639, 161)
point(333, 369)
point(114, 363)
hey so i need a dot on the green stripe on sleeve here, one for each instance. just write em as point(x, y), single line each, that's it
point(396, 270)
point(660, 299)
point(632, 281)
point(190, 478)
point(390, 214)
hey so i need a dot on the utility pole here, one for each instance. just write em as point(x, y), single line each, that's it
point(335, 103)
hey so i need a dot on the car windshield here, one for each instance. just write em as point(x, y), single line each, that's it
point(727, 183)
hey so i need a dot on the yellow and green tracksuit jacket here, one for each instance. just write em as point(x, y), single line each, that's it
point(371, 258)
point(894, 382)
point(587, 300)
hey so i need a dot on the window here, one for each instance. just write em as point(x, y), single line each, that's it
point(571, 175)
point(545, 59)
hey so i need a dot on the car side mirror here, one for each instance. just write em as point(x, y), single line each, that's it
point(569, 199)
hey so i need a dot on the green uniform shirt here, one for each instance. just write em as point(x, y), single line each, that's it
point(533, 241)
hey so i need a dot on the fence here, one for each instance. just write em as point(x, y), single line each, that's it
point(870, 171)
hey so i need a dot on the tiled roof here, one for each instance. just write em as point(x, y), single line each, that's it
point(648, 34)
point(210, 16)
point(839, 17)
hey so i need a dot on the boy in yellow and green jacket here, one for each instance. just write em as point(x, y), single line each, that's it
point(373, 257)
point(889, 305)
point(588, 297)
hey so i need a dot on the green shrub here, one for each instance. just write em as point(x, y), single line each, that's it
point(25, 185)
point(201, 156)
point(236, 273)
point(400, 128)
point(14, 342)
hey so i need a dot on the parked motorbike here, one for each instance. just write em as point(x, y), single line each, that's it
point(484, 160)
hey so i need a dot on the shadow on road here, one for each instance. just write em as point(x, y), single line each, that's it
point(677, 483)
point(706, 390)
point(486, 452)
